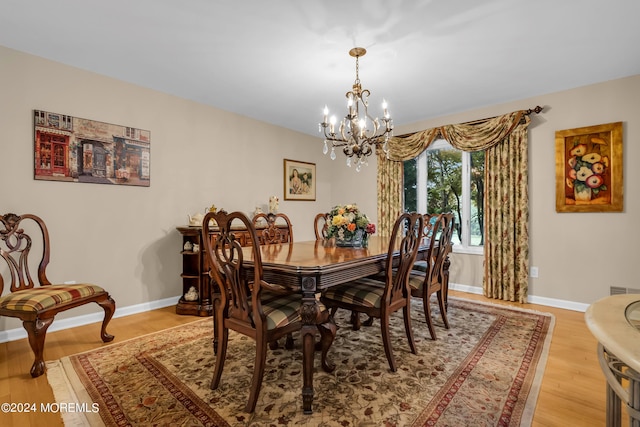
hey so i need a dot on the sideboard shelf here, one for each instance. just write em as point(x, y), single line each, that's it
point(195, 273)
point(195, 268)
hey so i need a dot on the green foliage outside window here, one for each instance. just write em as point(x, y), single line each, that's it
point(444, 188)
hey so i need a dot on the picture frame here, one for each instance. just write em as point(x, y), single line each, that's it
point(589, 163)
point(299, 180)
point(72, 149)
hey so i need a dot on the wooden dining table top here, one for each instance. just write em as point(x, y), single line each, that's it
point(327, 263)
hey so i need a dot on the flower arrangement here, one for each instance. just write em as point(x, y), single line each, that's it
point(588, 167)
point(347, 223)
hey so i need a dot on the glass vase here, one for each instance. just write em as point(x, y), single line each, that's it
point(353, 241)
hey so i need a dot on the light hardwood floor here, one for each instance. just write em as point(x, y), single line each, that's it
point(572, 391)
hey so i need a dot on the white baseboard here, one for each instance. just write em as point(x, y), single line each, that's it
point(72, 322)
point(549, 302)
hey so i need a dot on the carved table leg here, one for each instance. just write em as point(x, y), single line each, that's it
point(311, 316)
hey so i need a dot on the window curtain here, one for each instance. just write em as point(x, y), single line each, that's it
point(504, 138)
point(390, 175)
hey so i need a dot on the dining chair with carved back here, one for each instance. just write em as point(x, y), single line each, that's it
point(248, 304)
point(273, 235)
point(431, 275)
point(273, 232)
point(321, 226)
point(420, 265)
point(25, 246)
point(367, 296)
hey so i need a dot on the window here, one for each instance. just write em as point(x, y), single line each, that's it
point(444, 179)
point(130, 133)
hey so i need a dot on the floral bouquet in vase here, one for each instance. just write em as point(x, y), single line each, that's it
point(588, 168)
point(349, 226)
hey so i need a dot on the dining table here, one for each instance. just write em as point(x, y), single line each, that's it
point(313, 266)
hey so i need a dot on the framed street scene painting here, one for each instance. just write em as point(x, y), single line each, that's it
point(72, 149)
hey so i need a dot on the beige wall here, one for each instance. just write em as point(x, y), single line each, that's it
point(124, 238)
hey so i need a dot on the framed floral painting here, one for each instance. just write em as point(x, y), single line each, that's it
point(589, 169)
point(299, 180)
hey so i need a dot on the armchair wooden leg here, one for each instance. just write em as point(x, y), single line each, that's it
point(407, 327)
point(369, 321)
point(427, 316)
point(355, 321)
point(289, 343)
point(386, 341)
point(221, 355)
point(109, 306)
point(327, 335)
point(443, 308)
point(274, 345)
point(258, 374)
point(37, 331)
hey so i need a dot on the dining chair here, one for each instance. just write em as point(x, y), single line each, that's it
point(273, 232)
point(367, 296)
point(25, 244)
point(430, 276)
point(429, 222)
point(248, 304)
point(321, 226)
point(274, 235)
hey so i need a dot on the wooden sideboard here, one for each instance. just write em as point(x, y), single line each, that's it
point(195, 268)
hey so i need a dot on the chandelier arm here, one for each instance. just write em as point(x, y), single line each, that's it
point(343, 129)
point(366, 151)
point(364, 97)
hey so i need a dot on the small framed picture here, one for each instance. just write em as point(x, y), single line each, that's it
point(589, 169)
point(299, 180)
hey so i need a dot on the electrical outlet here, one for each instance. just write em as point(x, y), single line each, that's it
point(533, 271)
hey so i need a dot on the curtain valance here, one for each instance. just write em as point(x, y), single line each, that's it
point(473, 136)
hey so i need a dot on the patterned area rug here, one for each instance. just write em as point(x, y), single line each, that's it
point(484, 371)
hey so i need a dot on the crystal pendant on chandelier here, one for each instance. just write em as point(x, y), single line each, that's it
point(358, 132)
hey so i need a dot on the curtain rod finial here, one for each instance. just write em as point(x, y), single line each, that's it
point(536, 110)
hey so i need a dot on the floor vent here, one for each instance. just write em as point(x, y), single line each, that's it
point(616, 290)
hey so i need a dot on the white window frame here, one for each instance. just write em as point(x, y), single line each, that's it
point(421, 195)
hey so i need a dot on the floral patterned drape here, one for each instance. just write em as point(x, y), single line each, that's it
point(390, 175)
point(506, 250)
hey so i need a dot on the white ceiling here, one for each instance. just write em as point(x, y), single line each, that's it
point(281, 61)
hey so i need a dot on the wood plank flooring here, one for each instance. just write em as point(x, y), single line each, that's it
point(572, 391)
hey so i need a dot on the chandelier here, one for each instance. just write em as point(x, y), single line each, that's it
point(358, 132)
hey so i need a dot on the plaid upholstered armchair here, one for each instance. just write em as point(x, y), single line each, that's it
point(24, 244)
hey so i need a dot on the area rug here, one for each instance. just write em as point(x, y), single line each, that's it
point(484, 371)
